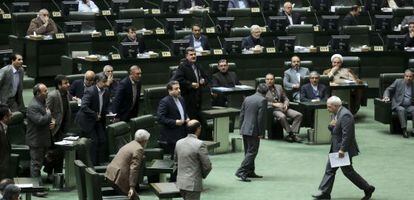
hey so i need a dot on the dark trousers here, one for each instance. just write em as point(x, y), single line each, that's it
point(55, 155)
point(98, 143)
point(349, 172)
point(402, 114)
point(251, 148)
point(169, 148)
point(37, 155)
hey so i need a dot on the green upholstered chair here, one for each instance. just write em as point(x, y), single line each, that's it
point(303, 63)
point(93, 182)
point(21, 21)
point(304, 34)
point(80, 179)
point(213, 67)
point(149, 123)
point(16, 129)
point(383, 110)
point(239, 32)
point(136, 14)
point(180, 34)
point(152, 97)
point(118, 134)
point(242, 16)
point(14, 165)
point(360, 35)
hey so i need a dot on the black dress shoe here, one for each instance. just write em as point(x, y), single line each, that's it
point(254, 175)
point(322, 196)
point(368, 193)
point(40, 194)
point(243, 178)
point(405, 134)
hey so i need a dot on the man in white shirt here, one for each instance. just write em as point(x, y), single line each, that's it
point(87, 6)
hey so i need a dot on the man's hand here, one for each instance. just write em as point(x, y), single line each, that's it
point(278, 105)
point(296, 86)
point(386, 99)
point(179, 122)
point(341, 154)
point(285, 107)
point(195, 85)
point(411, 34)
point(132, 193)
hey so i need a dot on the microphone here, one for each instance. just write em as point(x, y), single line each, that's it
point(152, 3)
point(206, 3)
point(218, 39)
point(55, 4)
point(382, 40)
point(5, 5)
point(314, 13)
point(159, 22)
point(106, 3)
point(60, 28)
point(163, 44)
point(116, 49)
point(109, 23)
point(264, 18)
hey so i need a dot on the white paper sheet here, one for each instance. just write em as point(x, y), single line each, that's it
point(339, 162)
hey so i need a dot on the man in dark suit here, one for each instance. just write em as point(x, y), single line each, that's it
point(187, 4)
point(223, 78)
point(351, 19)
point(343, 140)
point(172, 116)
point(409, 37)
point(238, 4)
point(11, 84)
point(111, 84)
point(58, 103)
point(314, 91)
point(253, 41)
point(91, 117)
point(277, 99)
point(192, 79)
point(401, 93)
point(123, 170)
point(292, 17)
point(192, 162)
point(132, 37)
point(252, 120)
point(77, 87)
point(5, 148)
point(126, 101)
point(39, 124)
point(197, 40)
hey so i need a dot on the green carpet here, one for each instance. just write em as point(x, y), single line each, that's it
point(294, 171)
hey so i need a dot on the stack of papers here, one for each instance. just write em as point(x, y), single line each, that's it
point(339, 162)
point(71, 138)
point(64, 143)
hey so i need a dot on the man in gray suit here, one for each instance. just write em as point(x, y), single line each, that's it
point(277, 99)
point(291, 79)
point(58, 103)
point(252, 120)
point(192, 162)
point(11, 84)
point(343, 140)
point(401, 102)
point(39, 124)
point(5, 148)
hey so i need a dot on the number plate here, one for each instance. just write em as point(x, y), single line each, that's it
point(106, 12)
point(115, 56)
point(109, 33)
point(165, 54)
point(155, 11)
point(324, 49)
point(159, 31)
point(270, 50)
point(316, 28)
point(211, 30)
point(56, 14)
point(378, 48)
point(218, 52)
point(255, 10)
point(59, 36)
point(6, 16)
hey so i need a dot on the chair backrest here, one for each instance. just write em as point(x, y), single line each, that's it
point(304, 34)
point(411, 63)
point(21, 22)
point(149, 123)
point(242, 16)
point(180, 34)
point(93, 185)
point(360, 35)
point(16, 129)
point(119, 134)
point(213, 67)
point(82, 151)
point(352, 62)
point(386, 80)
point(239, 32)
point(152, 97)
point(118, 75)
point(74, 77)
point(173, 69)
point(303, 63)
point(136, 14)
point(80, 179)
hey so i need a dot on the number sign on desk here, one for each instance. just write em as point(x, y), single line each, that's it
point(159, 31)
point(270, 50)
point(263, 29)
point(316, 28)
point(6, 16)
point(166, 54)
point(56, 14)
point(255, 10)
point(211, 30)
point(218, 52)
point(109, 33)
point(324, 49)
point(60, 36)
point(378, 48)
point(106, 12)
point(115, 57)
point(155, 11)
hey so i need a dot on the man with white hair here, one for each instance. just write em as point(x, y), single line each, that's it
point(292, 17)
point(123, 170)
point(42, 24)
point(253, 41)
point(341, 75)
point(343, 141)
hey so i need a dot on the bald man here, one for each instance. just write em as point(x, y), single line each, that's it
point(292, 18)
point(77, 87)
point(42, 24)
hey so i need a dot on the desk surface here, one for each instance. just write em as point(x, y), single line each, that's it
point(239, 89)
point(29, 185)
point(166, 190)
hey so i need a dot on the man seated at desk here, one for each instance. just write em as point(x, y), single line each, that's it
point(292, 18)
point(351, 19)
point(314, 91)
point(223, 78)
point(132, 37)
point(409, 37)
point(238, 4)
point(198, 40)
point(291, 78)
point(42, 24)
point(253, 42)
point(340, 75)
point(278, 100)
point(192, 4)
point(87, 6)
point(78, 86)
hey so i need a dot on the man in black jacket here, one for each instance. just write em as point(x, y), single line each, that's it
point(351, 19)
point(5, 148)
point(253, 41)
point(198, 40)
point(292, 17)
point(409, 37)
point(223, 78)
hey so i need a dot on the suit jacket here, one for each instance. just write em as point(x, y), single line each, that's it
point(167, 114)
point(141, 46)
point(252, 115)
point(54, 103)
point(235, 4)
point(396, 92)
point(186, 4)
point(350, 20)
point(290, 77)
point(409, 42)
point(38, 120)
point(295, 17)
point(124, 168)
point(277, 95)
point(203, 40)
point(342, 74)
point(5, 150)
point(343, 133)
point(77, 88)
point(249, 42)
point(193, 164)
point(219, 79)
point(6, 85)
point(122, 104)
point(88, 112)
point(36, 25)
point(306, 92)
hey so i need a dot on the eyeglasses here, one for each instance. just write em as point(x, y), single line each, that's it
point(109, 71)
point(314, 78)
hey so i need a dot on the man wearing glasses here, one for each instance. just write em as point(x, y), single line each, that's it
point(42, 24)
point(313, 91)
